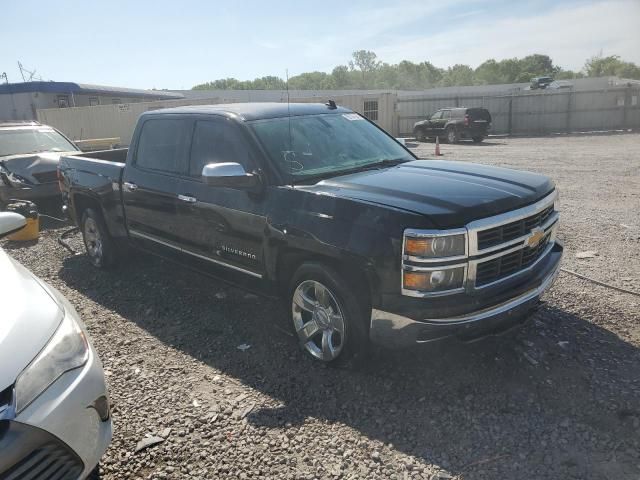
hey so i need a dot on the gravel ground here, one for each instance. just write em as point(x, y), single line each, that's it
point(559, 399)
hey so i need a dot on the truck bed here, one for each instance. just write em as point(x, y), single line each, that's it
point(95, 177)
point(116, 155)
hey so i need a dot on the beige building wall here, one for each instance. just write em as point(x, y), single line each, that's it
point(110, 121)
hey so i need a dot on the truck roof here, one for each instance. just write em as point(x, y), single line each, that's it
point(253, 111)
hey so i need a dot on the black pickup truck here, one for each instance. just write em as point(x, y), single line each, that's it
point(317, 205)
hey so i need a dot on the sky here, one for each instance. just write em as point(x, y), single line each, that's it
point(178, 44)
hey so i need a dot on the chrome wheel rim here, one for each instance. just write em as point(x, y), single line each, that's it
point(318, 320)
point(451, 136)
point(92, 239)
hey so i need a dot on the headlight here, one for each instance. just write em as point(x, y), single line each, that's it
point(431, 245)
point(67, 349)
point(434, 280)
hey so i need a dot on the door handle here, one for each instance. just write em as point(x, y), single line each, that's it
point(187, 198)
point(132, 187)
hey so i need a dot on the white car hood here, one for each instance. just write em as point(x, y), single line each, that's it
point(29, 316)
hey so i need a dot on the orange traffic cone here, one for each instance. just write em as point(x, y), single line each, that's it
point(438, 154)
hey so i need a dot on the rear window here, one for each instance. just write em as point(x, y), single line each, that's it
point(479, 114)
point(162, 145)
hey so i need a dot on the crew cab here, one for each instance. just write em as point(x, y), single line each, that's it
point(315, 204)
point(453, 124)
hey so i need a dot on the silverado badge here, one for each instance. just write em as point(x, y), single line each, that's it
point(534, 238)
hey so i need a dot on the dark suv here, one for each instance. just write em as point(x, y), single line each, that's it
point(454, 124)
point(540, 83)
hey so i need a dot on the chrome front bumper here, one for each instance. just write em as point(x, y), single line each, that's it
point(394, 331)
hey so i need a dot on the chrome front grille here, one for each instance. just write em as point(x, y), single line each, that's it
point(510, 231)
point(510, 263)
point(500, 245)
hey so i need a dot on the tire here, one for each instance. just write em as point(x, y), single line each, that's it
point(327, 316)
point(98, 244)
point(477, 139)
point(420, 136)
point(452, 135)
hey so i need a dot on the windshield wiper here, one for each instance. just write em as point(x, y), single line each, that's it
point(388, 162)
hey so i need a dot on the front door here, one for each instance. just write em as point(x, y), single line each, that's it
point(223, 228)
point(434, 124)
point(150, 183)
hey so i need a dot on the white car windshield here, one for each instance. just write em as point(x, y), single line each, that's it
point(16, 141)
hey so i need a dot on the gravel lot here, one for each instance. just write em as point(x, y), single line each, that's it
point(559, 399)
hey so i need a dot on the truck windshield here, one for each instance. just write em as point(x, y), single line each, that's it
point(32, 140)
point(315, 146)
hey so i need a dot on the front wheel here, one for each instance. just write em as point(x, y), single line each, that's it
point(420, 136)
point(97, 241)
point(327, 316)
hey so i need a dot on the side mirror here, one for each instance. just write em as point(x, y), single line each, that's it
point(11, 222)
point(230, 174)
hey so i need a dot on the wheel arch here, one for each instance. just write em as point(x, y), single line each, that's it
point(81, 202)
point(290, 260)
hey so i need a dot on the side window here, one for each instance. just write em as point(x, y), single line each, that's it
point(217, 141)
point(446, 114)
point(162, 145)
point(436, 115)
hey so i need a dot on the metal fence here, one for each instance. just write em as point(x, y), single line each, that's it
point(516, 113)
point(535, 112)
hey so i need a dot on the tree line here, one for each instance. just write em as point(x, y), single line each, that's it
point(365, 71)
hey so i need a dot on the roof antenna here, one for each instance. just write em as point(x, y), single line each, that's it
point(331, 104)
point(290, 153)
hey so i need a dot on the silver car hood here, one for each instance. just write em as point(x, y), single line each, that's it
point(29, 315)
point(31, 165)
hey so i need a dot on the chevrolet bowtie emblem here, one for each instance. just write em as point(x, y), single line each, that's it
point(534, 238)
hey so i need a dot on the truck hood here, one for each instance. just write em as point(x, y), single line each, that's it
point(30, 316)
point(34, 167)
point(451, 194)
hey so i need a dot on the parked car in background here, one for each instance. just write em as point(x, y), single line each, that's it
point(540, 83)
point(54, 410)
point(454, 124)
point(317, 205)
point(29, 155)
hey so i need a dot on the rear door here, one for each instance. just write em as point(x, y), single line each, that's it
point(151, 180)
point(442, 123)
point(222, 228)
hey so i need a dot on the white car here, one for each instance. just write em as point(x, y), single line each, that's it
point(54, 409)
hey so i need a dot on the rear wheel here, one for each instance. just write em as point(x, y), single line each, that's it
point(97, 241)
point(477, 139)
point(327, 316)
point(452, 135)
